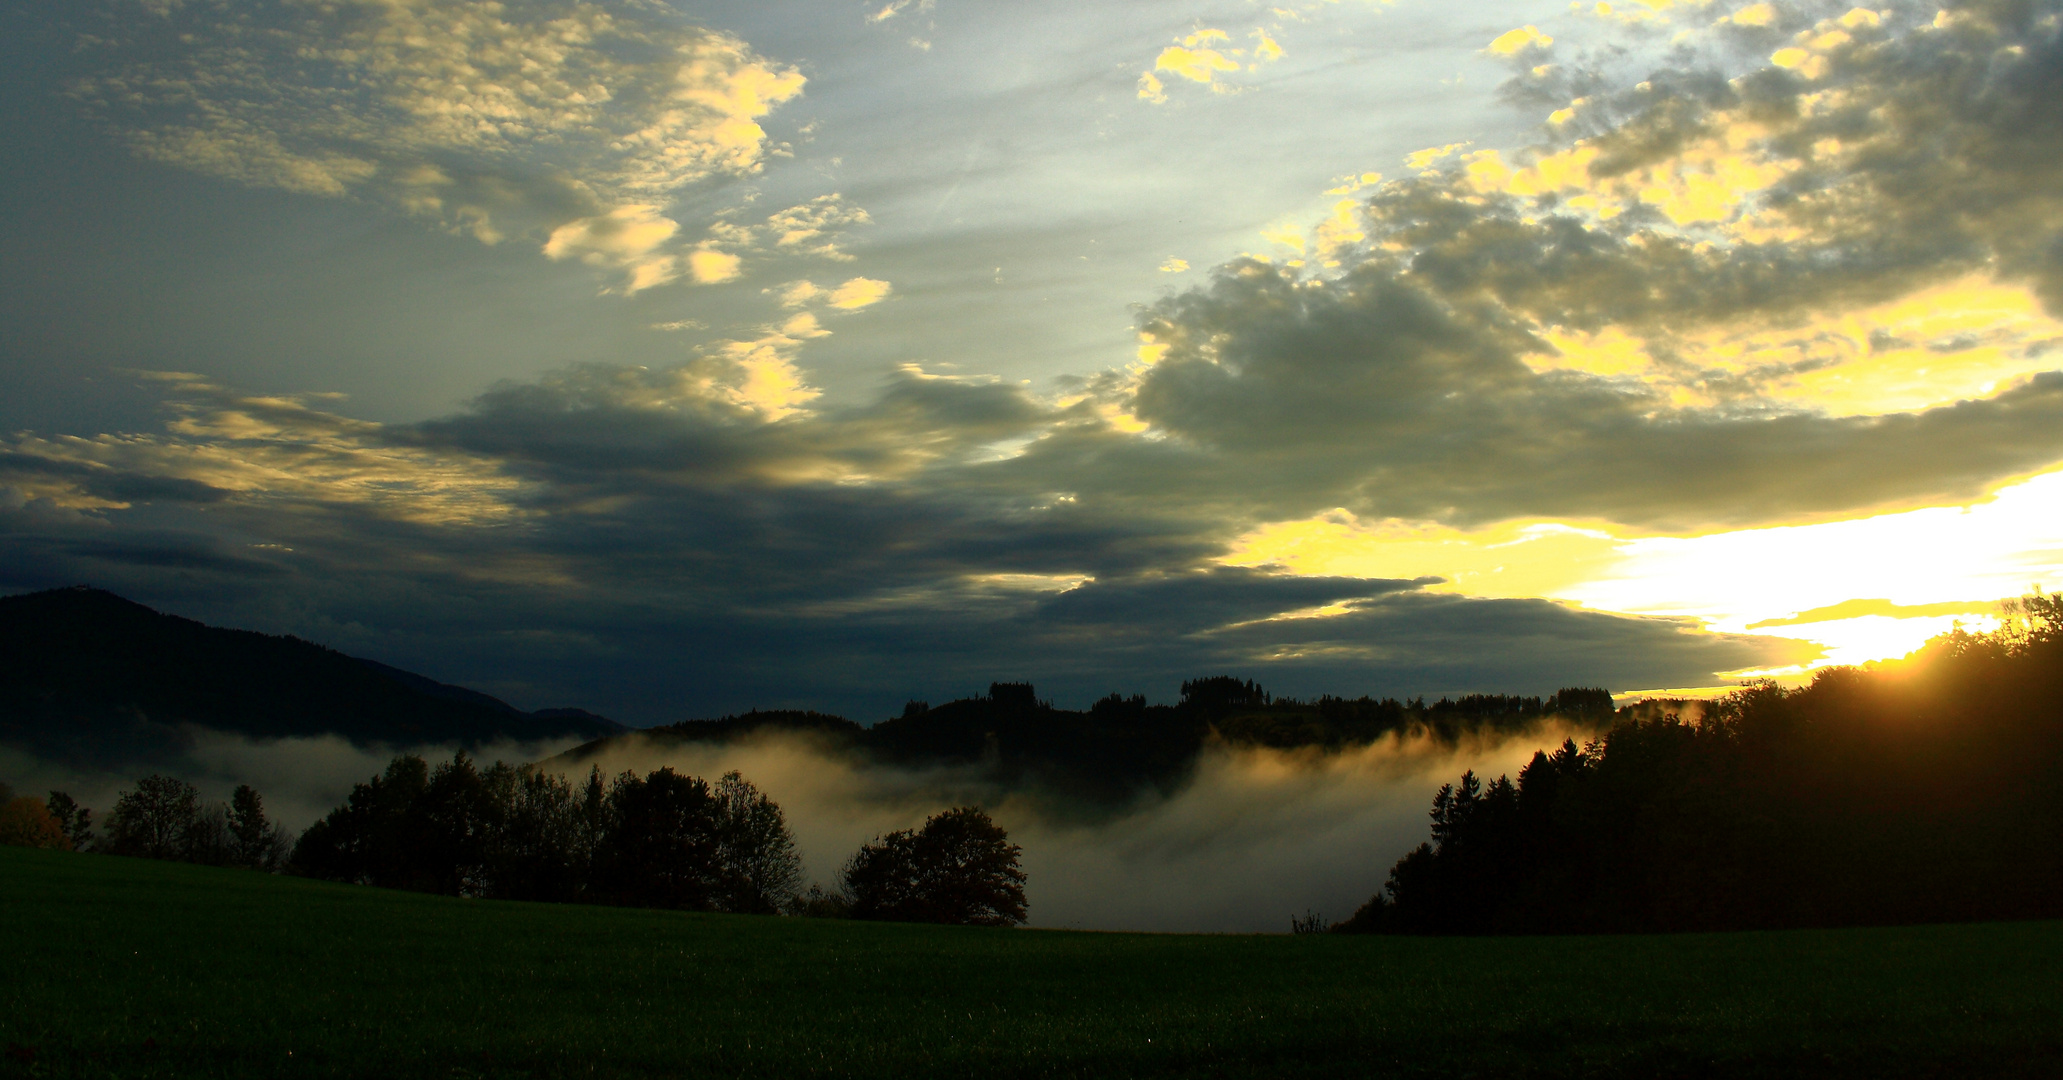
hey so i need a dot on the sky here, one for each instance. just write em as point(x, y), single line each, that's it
point(675, 359)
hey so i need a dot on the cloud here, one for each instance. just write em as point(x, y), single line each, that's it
point(854, 294)
point(1716, 297)
point(581, 122)
point(630, 237)
point(224, 446)
point(814, 227)
point(896, 7)
point(1525, 39)
point(859, 292)
point(1206, 56)
point(1194, 60)
point(1668, 320)
point(616, 520)
point(712, 267)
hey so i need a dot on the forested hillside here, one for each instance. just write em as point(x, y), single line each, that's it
point(1926, 790)
point(89, 678)
point(1121, 745)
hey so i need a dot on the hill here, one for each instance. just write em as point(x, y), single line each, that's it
point(1913, 791)
point(122, 967)
point(88, 678)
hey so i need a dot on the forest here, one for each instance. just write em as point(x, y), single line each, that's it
point(1927, 790)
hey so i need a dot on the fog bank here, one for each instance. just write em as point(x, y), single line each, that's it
point(301, 779)
point(1257, 836)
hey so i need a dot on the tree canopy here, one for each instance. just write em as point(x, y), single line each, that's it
point(959, 868)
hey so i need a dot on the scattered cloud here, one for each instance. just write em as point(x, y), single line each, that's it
point(582, 123)
point(632, 237)
point(713, 267)
point(859, 292)
point(896, 7)
point(1206, 56)
point(1723, 272)
point(854, 294)
point(1525, 39)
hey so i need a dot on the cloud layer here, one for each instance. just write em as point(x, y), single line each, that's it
point(1636, 322)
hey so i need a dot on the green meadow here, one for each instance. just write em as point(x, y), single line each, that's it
point(127, 968)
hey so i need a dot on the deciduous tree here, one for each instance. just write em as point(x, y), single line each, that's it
point(157, 820)
point(26, 822)
point(959, 868)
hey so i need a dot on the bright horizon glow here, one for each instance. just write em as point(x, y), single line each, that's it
point(1964, 558)
point(1976, 555)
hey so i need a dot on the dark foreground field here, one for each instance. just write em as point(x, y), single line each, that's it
point(119, 967)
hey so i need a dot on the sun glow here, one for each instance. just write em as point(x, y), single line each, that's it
point(1866, 589)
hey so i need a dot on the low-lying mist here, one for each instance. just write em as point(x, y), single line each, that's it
point(301, 779)
point(1256, 836)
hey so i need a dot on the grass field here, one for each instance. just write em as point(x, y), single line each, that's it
point(119, 967)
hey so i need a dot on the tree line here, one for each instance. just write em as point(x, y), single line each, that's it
point(662, 840)
point(1108, 753)
point(1928, 790)
point(161, 818)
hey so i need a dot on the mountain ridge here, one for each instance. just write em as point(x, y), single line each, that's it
point(88, 676)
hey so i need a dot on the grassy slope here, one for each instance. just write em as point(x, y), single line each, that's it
point(128, 968)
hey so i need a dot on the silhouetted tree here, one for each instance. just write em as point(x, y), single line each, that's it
point(257, 844)
point(76, 820)
point(1922, 790)
point(530, 844)
point(661, 848)
point(759, 870)
point(662, 840)
point(376, 837)
point(959, 868)
point(157, 820)
point(1020, 694)
point(1223, 692)
point(209, 840)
